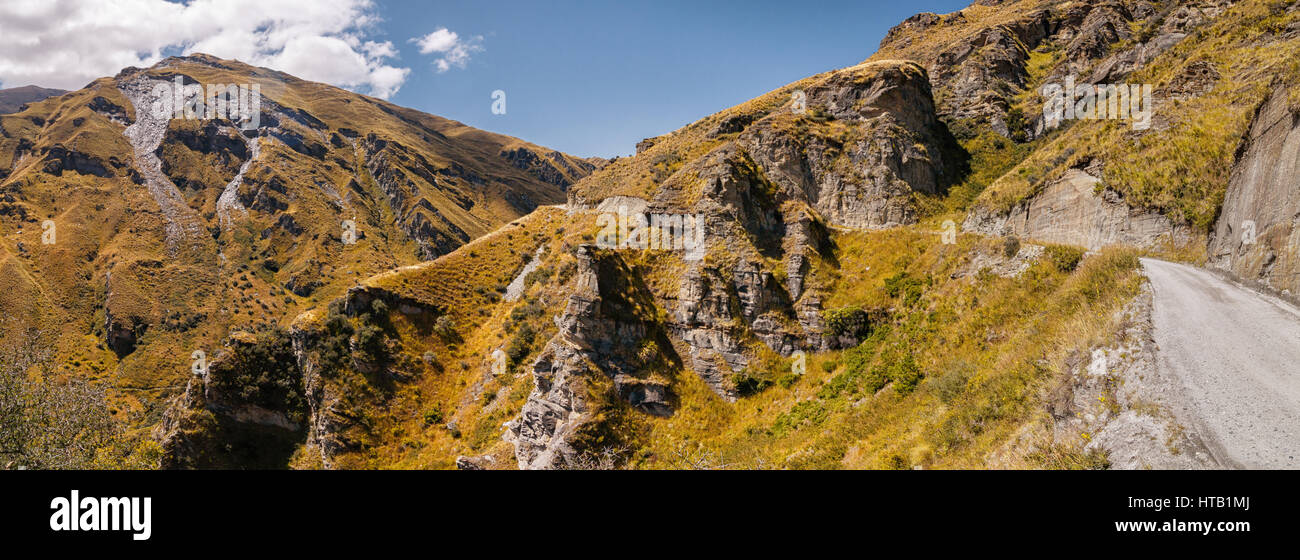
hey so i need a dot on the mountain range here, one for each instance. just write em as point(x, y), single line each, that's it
point(904, 263)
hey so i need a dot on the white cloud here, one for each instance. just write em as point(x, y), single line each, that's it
point(453, 50)
point(68, 43)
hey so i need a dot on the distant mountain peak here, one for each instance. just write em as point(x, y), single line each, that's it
point(13, 99)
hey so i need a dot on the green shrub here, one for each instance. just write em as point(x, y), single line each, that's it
point(905, 374)
point(372, 344)
point(1064, 257)
point(445, 326)
point(847, 321)
point(747, 384)
point(1010, 246)
point(810, 412)
point(520, 344)
point(904, 286)
point(264, 373)
point(433, 416)
point(335, 350)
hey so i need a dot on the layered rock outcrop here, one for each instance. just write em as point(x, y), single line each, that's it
point(1257, 235)
point(877, 142)
point(978, 77)
point(852, 149)
point(391, 166)
point(243, 409)
point(1071, 211)
point(596, 357)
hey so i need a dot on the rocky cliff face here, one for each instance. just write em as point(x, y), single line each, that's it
point(985, 64)
point(852, 148)
point(1071, 211)
point(245, 409)
point(1077, 193)
point(872, 140)
point(1257, 235)
point(599, 355)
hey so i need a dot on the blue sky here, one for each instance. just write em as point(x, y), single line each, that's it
point(593, 78)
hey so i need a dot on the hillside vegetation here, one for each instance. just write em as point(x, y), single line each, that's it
point(128, 258)
point(869, 292)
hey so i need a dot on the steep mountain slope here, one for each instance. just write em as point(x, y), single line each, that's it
point(134, 240)
point(811, 326)
point(930, 352)
point(778, 285)
point(1211, 178)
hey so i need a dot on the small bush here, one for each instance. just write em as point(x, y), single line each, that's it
point(747, 385)
point(848, 321)
point(433, 416)
point(1010, 246)
point(1064, 257)
point(905, 374)
point(904, 286)
point(950, 385)
point(445, 326)
point(521, 344)
point(788, 380)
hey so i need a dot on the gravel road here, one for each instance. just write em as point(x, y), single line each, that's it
point(1237, 354)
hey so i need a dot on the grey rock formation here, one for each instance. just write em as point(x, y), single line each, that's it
point(184, 226)
point(895, 147)
point(979, 76)
point(868, 141)
point(1257, 235)
point(1070, 211)
point(599, 336)
point(552, 168)
point(704, 322)
point(555, 410)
